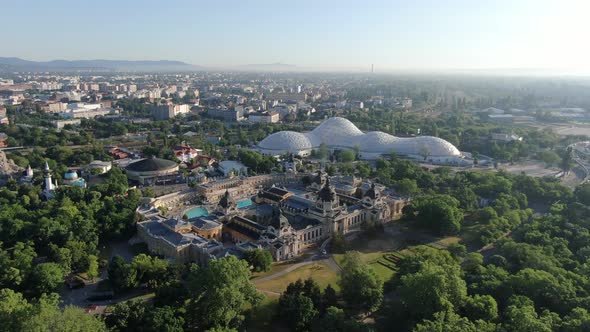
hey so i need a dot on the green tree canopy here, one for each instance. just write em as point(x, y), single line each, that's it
point(219, 292)
point(259, 259)
point(360, 287)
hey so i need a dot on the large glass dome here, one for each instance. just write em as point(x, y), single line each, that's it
point(337, 132)
point(288, 141)
point(341, 133)
point(376, 142)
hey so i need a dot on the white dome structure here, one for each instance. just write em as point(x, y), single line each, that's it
point(286, 142)
point(339, 133)
point(336, 132)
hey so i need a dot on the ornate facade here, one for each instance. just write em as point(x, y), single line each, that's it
point(284, 221)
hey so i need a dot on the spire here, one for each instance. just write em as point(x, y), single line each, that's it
point(371, 193)
point(224, 202)
point(318, 177)
point(326, 194)
point(49, 186)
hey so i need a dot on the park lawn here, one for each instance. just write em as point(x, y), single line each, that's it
point(447, 241)
point(366, 257)
point(320, 272)
point(406, 252)
point(276, 267)
point(370, 259)
point(382, 272)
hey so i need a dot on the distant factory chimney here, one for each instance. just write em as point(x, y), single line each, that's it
point(372, 69)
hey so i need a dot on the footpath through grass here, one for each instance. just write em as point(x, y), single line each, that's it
point(319, 271)
point(376, 260)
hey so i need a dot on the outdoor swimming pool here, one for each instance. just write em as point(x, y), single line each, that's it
point(244, 203)
point(197, 212)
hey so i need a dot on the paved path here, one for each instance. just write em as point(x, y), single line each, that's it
point(315, 258)
point(332, 264)
point(287, 270)
point(269, 292)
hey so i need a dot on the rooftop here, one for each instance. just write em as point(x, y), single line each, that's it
point(204, 223)
point(151, 164)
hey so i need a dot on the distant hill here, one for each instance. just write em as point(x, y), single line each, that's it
point(18, 64)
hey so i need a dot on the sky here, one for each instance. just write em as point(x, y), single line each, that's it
point(426, 35)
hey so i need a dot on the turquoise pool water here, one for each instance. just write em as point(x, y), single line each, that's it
point(244, 203)
point(197, 212)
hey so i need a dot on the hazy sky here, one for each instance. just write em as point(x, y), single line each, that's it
point(392, 34)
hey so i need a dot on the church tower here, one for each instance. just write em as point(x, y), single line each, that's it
point(372, 196)
point(327, 199)
point(226, 204)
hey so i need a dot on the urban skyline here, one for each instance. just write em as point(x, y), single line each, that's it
point(422, 36)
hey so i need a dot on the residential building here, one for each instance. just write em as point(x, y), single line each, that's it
point(264, 117)
point(236, 114)
point(164, 112)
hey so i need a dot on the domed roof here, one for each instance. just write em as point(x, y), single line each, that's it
point(79, 183)
point(71, 175)
point(335, 132)
point(429, 145)
point(337, 124)
point(289, 141)
point(151, 164)
point(376, 141)
point(340, 133)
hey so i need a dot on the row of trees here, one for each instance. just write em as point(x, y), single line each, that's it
point(304, 306)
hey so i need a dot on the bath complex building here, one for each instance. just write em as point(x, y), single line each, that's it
point(341, 134)
point(272, 212)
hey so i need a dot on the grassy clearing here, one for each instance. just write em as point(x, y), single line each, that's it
point(320, 272)
point(366, 258)
point(276, 267)
point(384, 273)
point(372, 259)
point(447, 241)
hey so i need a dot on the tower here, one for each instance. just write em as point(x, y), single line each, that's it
point(49, 186)
point(29, 172)
point(226, 204)
point(327, 200)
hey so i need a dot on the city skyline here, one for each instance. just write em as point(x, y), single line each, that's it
point(391, 35)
